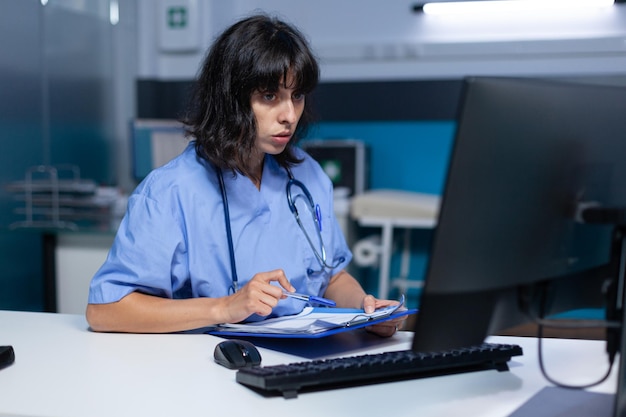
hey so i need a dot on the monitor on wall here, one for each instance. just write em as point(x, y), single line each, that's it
point(154, 143)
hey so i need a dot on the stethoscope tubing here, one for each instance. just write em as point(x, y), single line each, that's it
point(292, 206)
point(229, 234)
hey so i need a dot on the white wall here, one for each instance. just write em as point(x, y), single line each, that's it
point(373, 39)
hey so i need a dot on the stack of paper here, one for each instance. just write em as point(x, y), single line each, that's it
point(312, 321)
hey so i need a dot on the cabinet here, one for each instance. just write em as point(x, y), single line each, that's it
point(77, 258)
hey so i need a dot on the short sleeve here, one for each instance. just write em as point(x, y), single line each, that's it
point(145, 256)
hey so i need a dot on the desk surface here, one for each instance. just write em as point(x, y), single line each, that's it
point(62, 369)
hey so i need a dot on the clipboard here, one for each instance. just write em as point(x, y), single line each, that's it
point(311, 323)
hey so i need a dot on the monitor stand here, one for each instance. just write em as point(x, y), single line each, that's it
point(619, 335)
point(615, 337)
point(561, 402)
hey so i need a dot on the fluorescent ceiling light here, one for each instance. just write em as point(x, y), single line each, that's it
point(114, 12)
point(508, 6)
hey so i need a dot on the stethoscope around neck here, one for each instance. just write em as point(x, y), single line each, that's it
point(291, 201)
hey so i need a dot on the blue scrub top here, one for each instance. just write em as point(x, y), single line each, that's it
point(172, 241)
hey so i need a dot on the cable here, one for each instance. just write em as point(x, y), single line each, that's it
point(541, 323)
point(561, 384)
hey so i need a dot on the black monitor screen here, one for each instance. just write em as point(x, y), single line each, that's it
point(529, 156)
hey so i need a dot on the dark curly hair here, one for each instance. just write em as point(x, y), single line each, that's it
point(253, 54)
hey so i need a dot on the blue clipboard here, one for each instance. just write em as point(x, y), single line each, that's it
point(352, 325)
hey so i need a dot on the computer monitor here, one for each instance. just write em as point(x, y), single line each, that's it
point(345, 161)
point(535, 188)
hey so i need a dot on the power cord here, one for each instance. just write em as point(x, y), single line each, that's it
point(559, 384)
point(579, 324)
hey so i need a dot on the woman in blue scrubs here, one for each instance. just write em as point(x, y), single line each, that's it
point(219, 234)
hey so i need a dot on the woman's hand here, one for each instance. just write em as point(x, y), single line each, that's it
point(258, 296)
point(143, 313)
point(348, 293)
point(386, 328)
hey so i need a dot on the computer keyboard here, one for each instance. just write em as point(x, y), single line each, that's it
point(292, 378)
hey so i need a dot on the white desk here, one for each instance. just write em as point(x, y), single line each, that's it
point(62, 369)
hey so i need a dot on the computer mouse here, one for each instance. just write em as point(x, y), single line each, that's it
point(235, 354)
point(7, 356)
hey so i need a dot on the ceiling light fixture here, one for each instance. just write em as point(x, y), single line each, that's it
point(505, 6)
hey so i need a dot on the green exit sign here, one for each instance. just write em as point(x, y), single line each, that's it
point(177, 17)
